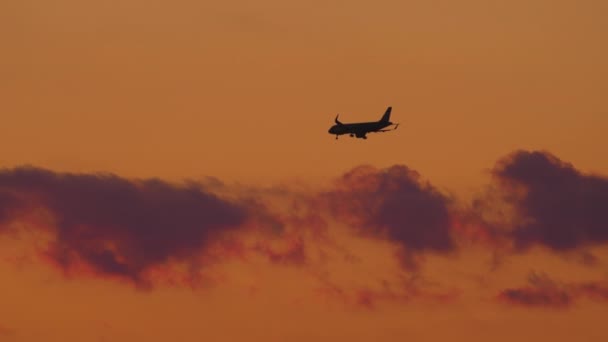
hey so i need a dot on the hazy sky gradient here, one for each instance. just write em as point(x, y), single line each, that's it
point(188, 88)
point(245, 92)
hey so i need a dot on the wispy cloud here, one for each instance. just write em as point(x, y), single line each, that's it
point(542, 291)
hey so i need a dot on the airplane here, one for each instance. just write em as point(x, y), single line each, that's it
point(360, 129)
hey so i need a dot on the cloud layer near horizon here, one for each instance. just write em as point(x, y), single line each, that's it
point(124, 228)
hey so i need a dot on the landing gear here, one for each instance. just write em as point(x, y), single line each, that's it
point(352, 135)
point(336, 137)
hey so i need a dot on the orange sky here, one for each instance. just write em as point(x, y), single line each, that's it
point(245, 92)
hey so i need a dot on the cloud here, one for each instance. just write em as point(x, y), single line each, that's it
point(8, 203)
point(115, 226)
point(596, 291)
point(292, 252)
point(542, 291)
point(382, 292)
point(395, 204)
point(558, 206)
point(530, 296)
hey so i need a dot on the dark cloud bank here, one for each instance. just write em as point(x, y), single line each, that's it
point(561, 207)
point(395, 204)
point(124, 227)
point(117, 226)
point(552, 204)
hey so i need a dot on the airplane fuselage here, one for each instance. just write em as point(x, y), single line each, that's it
point(360, 129)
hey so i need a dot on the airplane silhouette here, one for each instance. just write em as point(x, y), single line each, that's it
point(360, 129)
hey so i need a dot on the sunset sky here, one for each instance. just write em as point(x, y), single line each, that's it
point(166, 171)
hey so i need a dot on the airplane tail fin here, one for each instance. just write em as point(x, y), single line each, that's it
point(387, 115)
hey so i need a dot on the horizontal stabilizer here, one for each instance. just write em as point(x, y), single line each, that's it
point(336, 120)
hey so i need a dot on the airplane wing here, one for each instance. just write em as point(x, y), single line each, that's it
point(387, 130)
